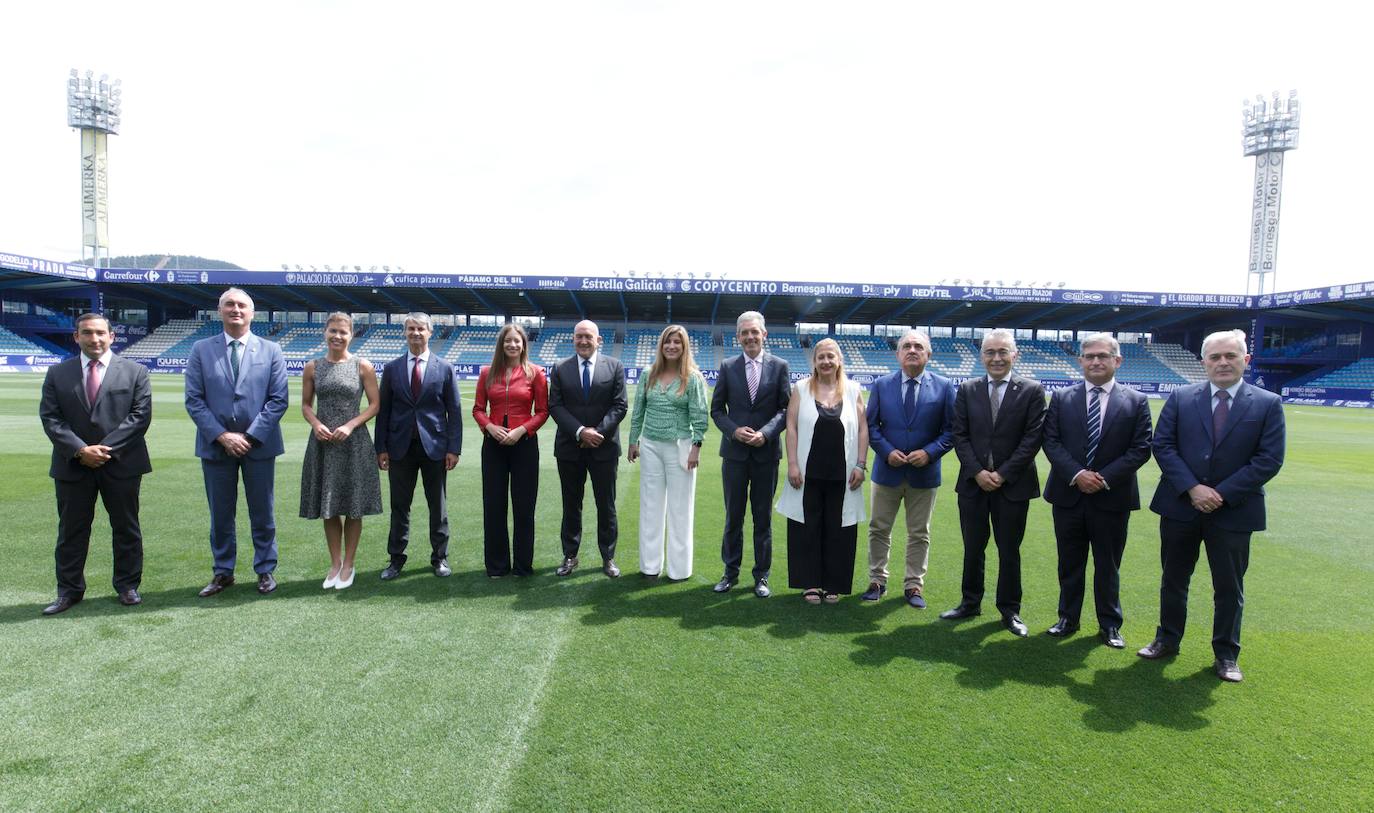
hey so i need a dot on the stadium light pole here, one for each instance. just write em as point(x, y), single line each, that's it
point(93, 107)
point(1269, 129)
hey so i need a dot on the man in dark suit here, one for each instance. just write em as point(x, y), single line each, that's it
point(749, 406)
point(997, 430)
point(236, 395)
point(587, 402)
point(1217, 444)
point(910, 427)
point(96, 408)
point(419, 435)
point(1097, 434)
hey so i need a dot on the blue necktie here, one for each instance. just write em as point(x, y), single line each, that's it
point(909, 400)
point(586, 379)
point(234, 358)
point(1094, 425)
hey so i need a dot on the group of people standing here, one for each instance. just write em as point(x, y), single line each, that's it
point(1217, 443)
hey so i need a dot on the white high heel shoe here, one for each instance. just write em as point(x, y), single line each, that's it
point(331, 581)
point(343, 584)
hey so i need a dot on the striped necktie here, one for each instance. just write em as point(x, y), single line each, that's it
point(1094, 425)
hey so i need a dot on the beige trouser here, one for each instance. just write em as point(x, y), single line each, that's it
point(920, 504)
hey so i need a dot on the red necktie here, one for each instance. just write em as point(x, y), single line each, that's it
point(93, 382)
point(415, 380)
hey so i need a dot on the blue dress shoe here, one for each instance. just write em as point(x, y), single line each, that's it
point(913, 597)
point(875, 591)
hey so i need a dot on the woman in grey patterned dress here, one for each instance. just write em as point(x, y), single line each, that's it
point(339, 481)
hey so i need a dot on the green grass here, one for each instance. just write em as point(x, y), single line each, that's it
point(586, 693)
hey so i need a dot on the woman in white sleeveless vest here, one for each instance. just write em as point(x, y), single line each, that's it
point(827, 454)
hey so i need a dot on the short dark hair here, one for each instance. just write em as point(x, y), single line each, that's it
point(88, 316)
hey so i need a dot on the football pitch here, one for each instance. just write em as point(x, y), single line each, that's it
point(587, 693)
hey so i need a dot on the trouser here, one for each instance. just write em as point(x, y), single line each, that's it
point(572, 477)
point(401, 476)
point(76, 511)
point(510, 478)
point(920, 504)
point(666, 492)
point(985, 514)
point(1228, 556)
point(1077, 530)
point(820, 551)
point(751, 484)
point(222, 491)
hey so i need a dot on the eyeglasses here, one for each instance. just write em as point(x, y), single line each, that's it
point(1096, 356)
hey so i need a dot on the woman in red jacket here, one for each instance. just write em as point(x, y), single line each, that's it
point(512, 403)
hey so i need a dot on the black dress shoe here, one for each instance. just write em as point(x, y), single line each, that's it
point(610, 569)
point(266, 583)
point(725, 584)
point(1157, 649)
point(442, 570)
point(568, 566)
point(962, 611)
point(392, 571)
point(1015, 625)
point(1063, 628)
point(1111, 636)
point(62, 604)
point(217, 585)
point(130, 597)
point(761, 588)
point(1228, 671)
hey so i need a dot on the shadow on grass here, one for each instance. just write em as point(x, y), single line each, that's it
point(1117, 700)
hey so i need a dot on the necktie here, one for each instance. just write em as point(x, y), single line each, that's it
point(1219, 415)
point(996, 398)
point(1094, 424)
point(234, 358)
point(415, 379)
point(586, 379)
point(92, 382)
point(751, 367)
point(909, 400)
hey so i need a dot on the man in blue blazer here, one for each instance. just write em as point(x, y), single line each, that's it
point(910, 427)
point(749, 406)
point(1097, 435)
point(236, 396)
point(419, 435)
point(1217, 444)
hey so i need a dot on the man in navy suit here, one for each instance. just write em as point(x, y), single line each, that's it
point(236, 396)
point(749, 406)
point(587, 402)
point(910, 427)
point(419, 435)
point(1217, 444)
point(997, 431)
point(96, 408)
point(1097, 435)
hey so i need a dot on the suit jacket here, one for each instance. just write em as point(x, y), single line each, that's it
point(437, 413)
point(767, 413)
point(254, 405)
point(120, 418)
point(1123, 446)
point(603, 409)
point(1013, 441)
point(1248, 454)
point(931, 428)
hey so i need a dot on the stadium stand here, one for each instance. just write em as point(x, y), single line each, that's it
point(168, 335)
point(866, 354)
point(784, 345)
point(472, 345)
point(1357, 375)
point(301, 341)
point(641, 343)
point(13, 344)
point(1181, 361)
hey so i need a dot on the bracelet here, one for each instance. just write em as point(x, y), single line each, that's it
point(861, 466)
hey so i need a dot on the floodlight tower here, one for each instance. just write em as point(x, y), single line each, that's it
point(93, 107)
point(1269, 130)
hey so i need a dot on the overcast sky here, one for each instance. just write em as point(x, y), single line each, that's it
point(885, 141)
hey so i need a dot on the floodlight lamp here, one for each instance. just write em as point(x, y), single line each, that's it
point(327, 268)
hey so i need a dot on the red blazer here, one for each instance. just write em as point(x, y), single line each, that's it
point(521, 403)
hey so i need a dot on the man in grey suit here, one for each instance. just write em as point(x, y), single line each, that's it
point(96, 408)
point(587, 402)
point(749, 406)
point(236, 395)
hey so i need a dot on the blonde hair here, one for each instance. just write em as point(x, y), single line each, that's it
point(839, 371)
point(686, 367)
point(498, 358)
point(339, 316)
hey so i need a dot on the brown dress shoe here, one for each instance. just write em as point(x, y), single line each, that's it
point(62, 604)
point(568, 566)
point(217, 585)
point(266, 583)
point(130, 597)
point(1157, 649)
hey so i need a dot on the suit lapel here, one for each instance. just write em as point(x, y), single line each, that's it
point(1009, 396)
point(1203, 404)
point(1239, 406)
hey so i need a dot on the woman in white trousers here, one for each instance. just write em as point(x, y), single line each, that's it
point(666, 430)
